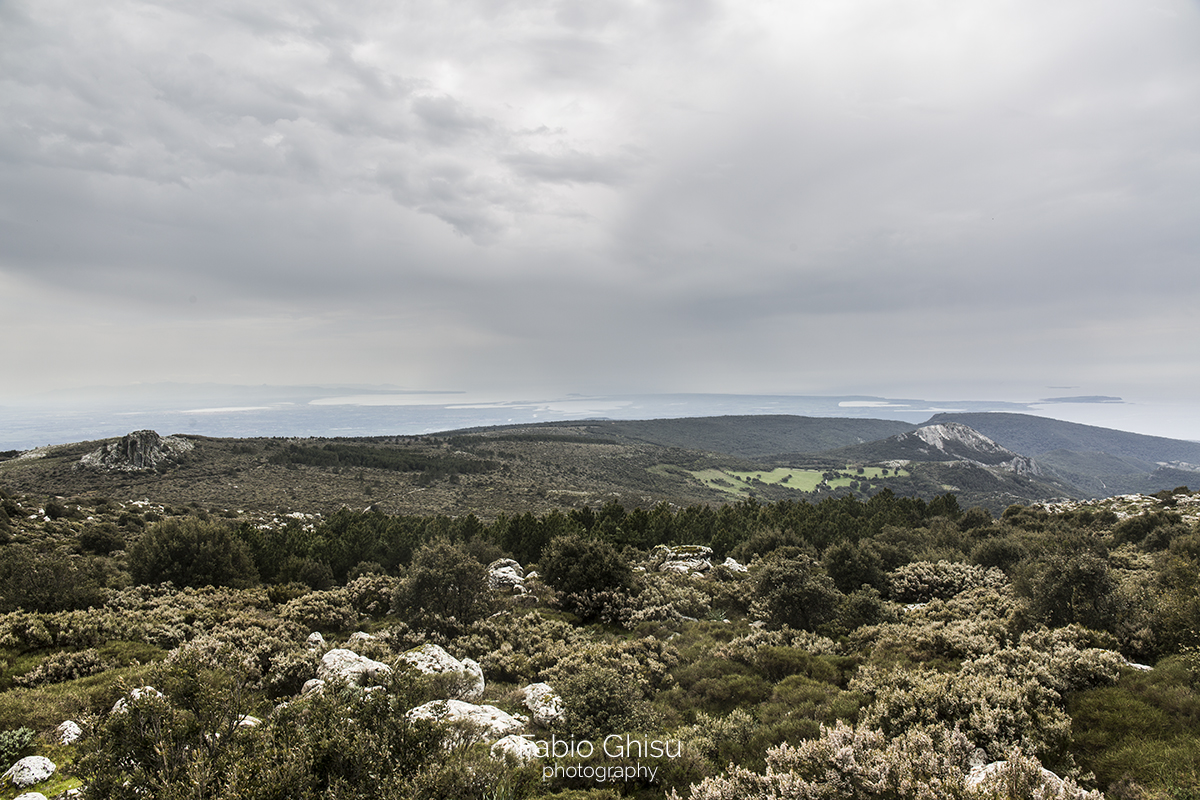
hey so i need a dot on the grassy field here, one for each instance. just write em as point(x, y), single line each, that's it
point(737, 482)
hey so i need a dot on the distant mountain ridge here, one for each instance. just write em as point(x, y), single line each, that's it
point(1035, 436)
point(750, 436)
point(941, 442)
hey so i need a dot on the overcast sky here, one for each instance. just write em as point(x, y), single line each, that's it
point(928, 198)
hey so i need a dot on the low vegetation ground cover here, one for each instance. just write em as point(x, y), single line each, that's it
point(740, 483)
point(851, 648)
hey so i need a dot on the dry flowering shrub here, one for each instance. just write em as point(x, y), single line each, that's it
point(1055, 662)
point(518, 648)
point(328, 610)
point(371, 595)
point(745, 649)
point(922, 581)
point(851, 763)
point(972, 624)
point(994, 711)
point(1022, 777)
point(61, 667)
point(644, 663)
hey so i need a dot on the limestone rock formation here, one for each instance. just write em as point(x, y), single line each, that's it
point(505, 574)
point(29, 771)
point(140, 450)
point(687, 559)
point(985, 777)
point(544, 703)
point(433, 660)
point(521, 749)
point(350, 667)
point(68, 732)
point(493, 722)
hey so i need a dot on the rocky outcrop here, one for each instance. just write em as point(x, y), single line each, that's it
point(351, 668)
point(516, 748)
point(491, 721)
point(68, 732)
point(140, 450)
point(433, 660)
point(315, 641)
point(686, 559)
point(733, 565)
point(506, 575)
point(544, 703)
point(30, 771)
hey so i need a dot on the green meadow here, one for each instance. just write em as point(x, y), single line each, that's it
point(737, 482)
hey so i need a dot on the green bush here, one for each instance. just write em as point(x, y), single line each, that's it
point(445, 587)
point(797, 593)
point(63, 666)
point(582, 568)
point(188, 551)
point(14, 745)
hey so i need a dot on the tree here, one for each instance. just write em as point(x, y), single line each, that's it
point(189, 551)
point(445, 582)
point(581, 567)
point(797, 593)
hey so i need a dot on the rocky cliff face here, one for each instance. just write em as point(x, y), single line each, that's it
point(953, 441)
point(140, 450)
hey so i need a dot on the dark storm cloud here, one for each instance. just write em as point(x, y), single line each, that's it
point(704, 196)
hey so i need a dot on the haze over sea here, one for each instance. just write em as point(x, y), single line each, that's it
point(333, 411)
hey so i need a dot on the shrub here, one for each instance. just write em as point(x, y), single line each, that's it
point(327, 611)
point(922, 581)
point(1075, 589)
point(444, 582)
point(61, 667)
point(15, 744)
point(852, 763)
point(188, 551)
point(581, 568)
point(796, 593)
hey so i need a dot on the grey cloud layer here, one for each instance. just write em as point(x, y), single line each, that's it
point(643, 194)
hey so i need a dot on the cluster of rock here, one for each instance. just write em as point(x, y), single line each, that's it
point(689, 559)
point(140, 450)
point(507, 575)
point(485, 722)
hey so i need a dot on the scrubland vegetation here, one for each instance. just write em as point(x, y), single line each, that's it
point(873, 649)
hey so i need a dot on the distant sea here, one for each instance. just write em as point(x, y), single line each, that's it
point(348, 411)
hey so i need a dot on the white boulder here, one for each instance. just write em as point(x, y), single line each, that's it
point(544, 703)
point(504, 574)
point(68, 732)
point(491, 720)
point(433, 660)
point(312, 685)
point(686, 559)
point(136, 694)
point(985, 777)
point(29, 771)
point(30, 796)
point(315, 641)
point(350, 667)
point(731, 563)
point(521, 749)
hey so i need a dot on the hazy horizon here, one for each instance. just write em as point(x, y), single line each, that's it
point(538, 198)
point(63, 417)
